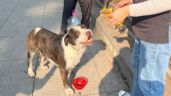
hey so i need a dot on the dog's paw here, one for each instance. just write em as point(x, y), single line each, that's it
point(31, 73)
point(69, 92)
point(44, 67)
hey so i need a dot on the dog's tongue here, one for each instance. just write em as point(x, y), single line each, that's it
point(89, 41)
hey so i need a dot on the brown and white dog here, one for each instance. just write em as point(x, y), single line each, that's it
point(65, 50)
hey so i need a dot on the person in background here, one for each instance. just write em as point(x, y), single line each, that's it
point(69, 6)
point(151, 24)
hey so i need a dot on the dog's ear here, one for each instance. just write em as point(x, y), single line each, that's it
point(71, 37)
point(68, 36)
point(66, 40)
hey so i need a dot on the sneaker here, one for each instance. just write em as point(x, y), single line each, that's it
point(123, 93)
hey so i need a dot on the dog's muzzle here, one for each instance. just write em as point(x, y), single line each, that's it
point(89, 38)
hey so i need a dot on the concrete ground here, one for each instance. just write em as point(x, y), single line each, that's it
point(17, 18)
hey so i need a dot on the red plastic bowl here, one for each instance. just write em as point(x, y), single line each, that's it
point(79, 82)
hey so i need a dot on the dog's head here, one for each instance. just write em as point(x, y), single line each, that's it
point(78, 35)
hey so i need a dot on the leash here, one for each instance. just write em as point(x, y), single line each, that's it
point(36, 66)
point(34, 78)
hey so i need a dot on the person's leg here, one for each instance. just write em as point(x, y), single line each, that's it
point(86, 6)
point(168, 74)
point(135, 89)
point(150, 62)
point(153, 63)
point(69, 6)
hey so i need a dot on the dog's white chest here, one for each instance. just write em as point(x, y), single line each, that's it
point(72, 56)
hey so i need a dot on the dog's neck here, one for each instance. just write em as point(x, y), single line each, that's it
point(76, 48)
point(72, 53)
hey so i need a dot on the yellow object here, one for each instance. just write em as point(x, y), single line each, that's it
point(107, 11)
point(120, 25)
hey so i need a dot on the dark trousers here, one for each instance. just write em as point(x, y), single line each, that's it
point(69, 6)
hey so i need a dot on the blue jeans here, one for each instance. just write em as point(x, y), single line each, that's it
point(150, 62)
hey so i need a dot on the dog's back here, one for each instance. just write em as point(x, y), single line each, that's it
point(46, 42)
point(44, 37)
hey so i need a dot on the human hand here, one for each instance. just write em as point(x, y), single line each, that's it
point(122, 3)
point(119, 15)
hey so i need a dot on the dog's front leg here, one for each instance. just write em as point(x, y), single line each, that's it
point(30, 56)
point(68, 90)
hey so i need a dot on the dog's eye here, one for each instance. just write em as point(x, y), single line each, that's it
point(77, 33)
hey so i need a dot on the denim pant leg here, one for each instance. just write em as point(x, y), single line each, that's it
point(150, 63)
point(135, 90)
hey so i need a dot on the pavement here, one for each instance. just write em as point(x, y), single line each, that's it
point(17, 18)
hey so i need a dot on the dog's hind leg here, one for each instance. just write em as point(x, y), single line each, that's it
point(30, 56)
point(42, 61)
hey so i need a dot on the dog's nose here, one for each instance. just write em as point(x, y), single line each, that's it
point(89, 35)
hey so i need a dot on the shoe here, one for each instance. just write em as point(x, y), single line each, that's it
point(123, 93)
